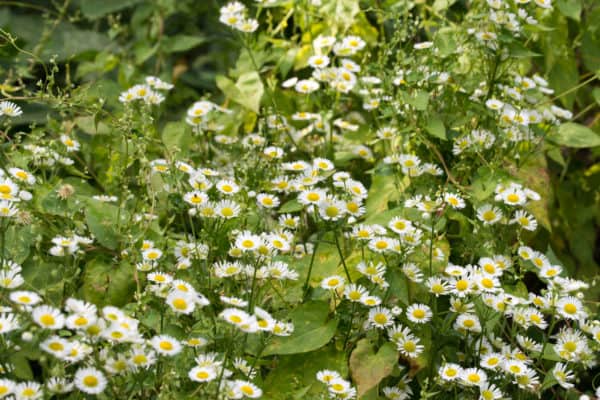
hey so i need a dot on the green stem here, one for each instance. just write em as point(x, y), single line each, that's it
point(310, 267)
point(339, 249)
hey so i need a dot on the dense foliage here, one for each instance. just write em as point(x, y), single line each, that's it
point(299, 199)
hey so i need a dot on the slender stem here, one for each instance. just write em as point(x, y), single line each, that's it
point(339, 249)
point(310, 267)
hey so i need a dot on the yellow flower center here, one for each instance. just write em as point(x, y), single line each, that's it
point(512, 198)
point(409, 346)
point(165, 345)
point(462, 285)
point(380, 319)
point(570, 308)
point(180, 304)
point(202, 375)
point(56, 346)
point(139, 359)
point(47, 320)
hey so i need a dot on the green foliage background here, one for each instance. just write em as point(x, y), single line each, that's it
point(68, 61)
point(92, 49)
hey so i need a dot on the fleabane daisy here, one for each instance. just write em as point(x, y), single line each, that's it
point(473, 377)
point(202, 374)
point(48, 317)
point(419, 313)
point(450, 372)
point(489, 214)
point(380, 317)
point(267, 200)
point(166, 345)
point(571, 308)
point(90, 380)
point(181, 302)
point(333, 282)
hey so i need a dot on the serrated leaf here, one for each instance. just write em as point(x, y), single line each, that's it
point(312, 330)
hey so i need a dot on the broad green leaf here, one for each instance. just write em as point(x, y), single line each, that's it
point(369, 368)
point(101, 219)
point(564, 76)
point(384, 188)
point(20, 365)
point(435, 127)
point(590, 42)
point(534, 175)
point(344, 11)
point(94, 9)
point(548, 382)
point(312, 330)
point(575, 135)
point(178, 43)
point(445, 41)
point(442, 5)
point(251, 89)
point(295, 374)
point(484, 183)
point(106, 283)
point(290, 206)
point(549, 353)
point(570, 8)
point(247, 91)
point(596, 95)
point(177, 137)
point(20, 239)
point(419, 100)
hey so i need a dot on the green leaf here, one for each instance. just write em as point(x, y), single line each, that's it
point(290, 206)
point(419, 100)
point(178, 43)
point(564, 76)
point(295, 374)
point(596, 95)
point(570, 8)
point(571, 134)
point(20, 366)
point(21, 240)
point(369, 368)
point(94, 9)
point(101, 219)
point(442, 5)
point(344, 11)
point(445, 41)
point(435, 127)
point(312, 330)
point(177, 137)
point(550, 354)
point(247, 91)
point(383, 190)
point(104, 283)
